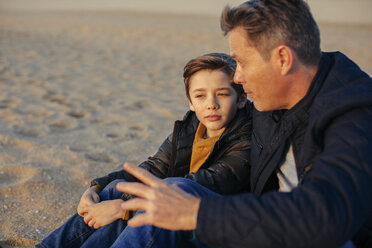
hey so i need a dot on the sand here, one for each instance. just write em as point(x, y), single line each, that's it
point(81, 92)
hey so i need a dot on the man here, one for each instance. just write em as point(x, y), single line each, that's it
point(311, 175)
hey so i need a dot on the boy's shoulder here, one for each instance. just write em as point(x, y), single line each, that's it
point(189, 123)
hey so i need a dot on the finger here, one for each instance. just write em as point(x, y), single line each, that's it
point(139, 220)
point(91, 223)
point(134, 204)
point(90, 199)
point(96, 226)
point(137, 189)
point(82, 211)
point(79, 211)
point(95, 198)
point(87, 219)
point(143, 175)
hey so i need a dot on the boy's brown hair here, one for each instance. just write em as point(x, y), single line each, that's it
point(212, 61)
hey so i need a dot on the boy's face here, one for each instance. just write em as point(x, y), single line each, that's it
point(213, 100)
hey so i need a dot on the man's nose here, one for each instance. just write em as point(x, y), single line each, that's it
point(238, 79)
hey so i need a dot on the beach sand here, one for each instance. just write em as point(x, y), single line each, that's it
point(81, 92)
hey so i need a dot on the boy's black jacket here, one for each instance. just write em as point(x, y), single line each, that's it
point(226, 170)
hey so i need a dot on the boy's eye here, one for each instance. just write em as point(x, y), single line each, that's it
point(198, 96)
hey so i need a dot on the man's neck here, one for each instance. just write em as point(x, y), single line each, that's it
point(300, 83)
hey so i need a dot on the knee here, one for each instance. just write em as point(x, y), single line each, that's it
point(110, 192)
point(112, 186)
point(183, 183)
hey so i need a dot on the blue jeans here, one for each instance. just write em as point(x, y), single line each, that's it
point(75, 233)
point(148, 236)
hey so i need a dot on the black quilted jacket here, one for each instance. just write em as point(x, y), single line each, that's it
point(226, 170)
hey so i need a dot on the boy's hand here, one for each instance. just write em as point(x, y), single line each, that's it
point(88, 198)
point(165, 205)
point(103, 213)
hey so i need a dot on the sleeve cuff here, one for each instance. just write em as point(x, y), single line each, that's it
point(210, 221)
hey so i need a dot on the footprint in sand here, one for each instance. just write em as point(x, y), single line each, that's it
point(77, 114)
point(137, 128)
point(138, 105)
point(18, 144)
point(9, 102)
point(53, 97)
point(15, 174)
point(19, 242)
point(99, 157)
point(33, 110)
point(97, 121)
point(112, 135)
point(8, 144)
point(32, 81)
point(132, 135)
point(30, 131)
point(61, 124)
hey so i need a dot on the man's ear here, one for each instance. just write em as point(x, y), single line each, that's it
point(242, 101)
point(284, 59)
point(191, 106)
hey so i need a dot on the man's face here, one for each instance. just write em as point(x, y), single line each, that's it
point(213, 99)
point(260, 79)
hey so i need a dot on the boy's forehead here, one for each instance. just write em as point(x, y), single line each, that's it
point(205, 89)
point(211, 73)
point(210, 77)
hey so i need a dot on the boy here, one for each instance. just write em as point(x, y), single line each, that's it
point(209, 146)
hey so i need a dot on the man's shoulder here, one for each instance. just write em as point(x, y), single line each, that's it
point(345, 71)
point(344, 87)
point(344, 82)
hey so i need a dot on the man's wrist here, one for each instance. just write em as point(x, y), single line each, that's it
point(194, 213)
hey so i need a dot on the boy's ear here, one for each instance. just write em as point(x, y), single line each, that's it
point(242, 101)
point(191, 106)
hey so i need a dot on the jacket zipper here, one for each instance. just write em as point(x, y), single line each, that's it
point(220, 142)
point(264, 165)
point(304, 173)
point(258, 142)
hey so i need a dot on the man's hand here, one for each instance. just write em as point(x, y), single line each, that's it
point(88, 198)
point(103, 213)
point(165, 205)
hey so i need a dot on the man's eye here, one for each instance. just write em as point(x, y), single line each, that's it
point(199, 96)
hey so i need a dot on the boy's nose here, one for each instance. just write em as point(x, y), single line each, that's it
point(212, 103)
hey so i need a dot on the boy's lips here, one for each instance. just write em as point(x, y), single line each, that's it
point(213, 117)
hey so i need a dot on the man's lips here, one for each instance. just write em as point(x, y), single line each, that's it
point(213, 117)
point(249, 93)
